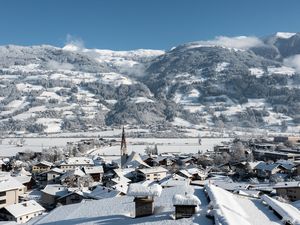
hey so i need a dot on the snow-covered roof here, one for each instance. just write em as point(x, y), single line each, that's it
point(119, 210)
point(229, 185)
point(76, 172)
point(157, 169)
point(93, 169)
point(78, 161)
point(139, 190)
point(186, 173)
point(44, 163)
point(134, 160)
point(57, 170)
point(174, 180)
point(55, 189)
point(188, 199)
point(121, 187)
point(252, 165)
point(292, 184)
point(288, 212)
point(266, 166)
point(24, 208)
point(24, 172)
point(23, 179)
point(250, 193)
point(101, 192)
point(230, 209)
point(8, 182)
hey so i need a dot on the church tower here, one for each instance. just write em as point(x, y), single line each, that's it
point(124, 153)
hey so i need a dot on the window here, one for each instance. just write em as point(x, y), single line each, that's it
point(3, 201)
point(3, 193)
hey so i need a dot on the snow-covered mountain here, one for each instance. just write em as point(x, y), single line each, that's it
point(233, 82)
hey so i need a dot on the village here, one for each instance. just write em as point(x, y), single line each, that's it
point(227, 185)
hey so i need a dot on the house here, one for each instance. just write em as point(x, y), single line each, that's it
point(74, 162)
point(27, 181)
point(21, 212)
point(274, 155)
point(244, 168)
point(51, 193)
point(150, 160)
point(72, 198)
point(152, 174)
point(41, 167)
point(49, 177)
point(283, 139)
point(185, 205)
point(73, 177)
point(144, 197)
point(134, 160)
point(25, 178)
point(187, 161)
point(219, 149)
point(174, 180)
point(96, 172)
point(101, 192)
point(163, 160)
point(264, 169)
point(185, 173)
point(288, 189)
point(10, 190)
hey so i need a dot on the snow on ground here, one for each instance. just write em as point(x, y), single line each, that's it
point(222, 66)
point(141, 100)
point(16, 104)
point(172, 145)
point(24, 68)
point(115, 79)
point(181, 122)
point(47, 95)
point(111, 101)
point(193, 108)
point(177, 97)
point(257, 72)
point(53, 125)
point(25, 87)
point(282, 70)
point(30, 113)
point(59, 76)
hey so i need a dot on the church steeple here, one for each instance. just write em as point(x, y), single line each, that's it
point(124, 153)
point(123, 143)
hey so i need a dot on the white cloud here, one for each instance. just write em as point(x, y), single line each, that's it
point(240, 42)
point(293, 61)
point(73, 43)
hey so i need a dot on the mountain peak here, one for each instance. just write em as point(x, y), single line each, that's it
point(284, 35)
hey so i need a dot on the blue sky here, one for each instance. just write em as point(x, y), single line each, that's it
point(132, 24)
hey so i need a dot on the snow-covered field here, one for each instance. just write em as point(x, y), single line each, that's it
point(175, 145)
point(179, 145)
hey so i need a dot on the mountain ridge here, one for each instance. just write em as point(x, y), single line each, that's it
point(226, 82)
